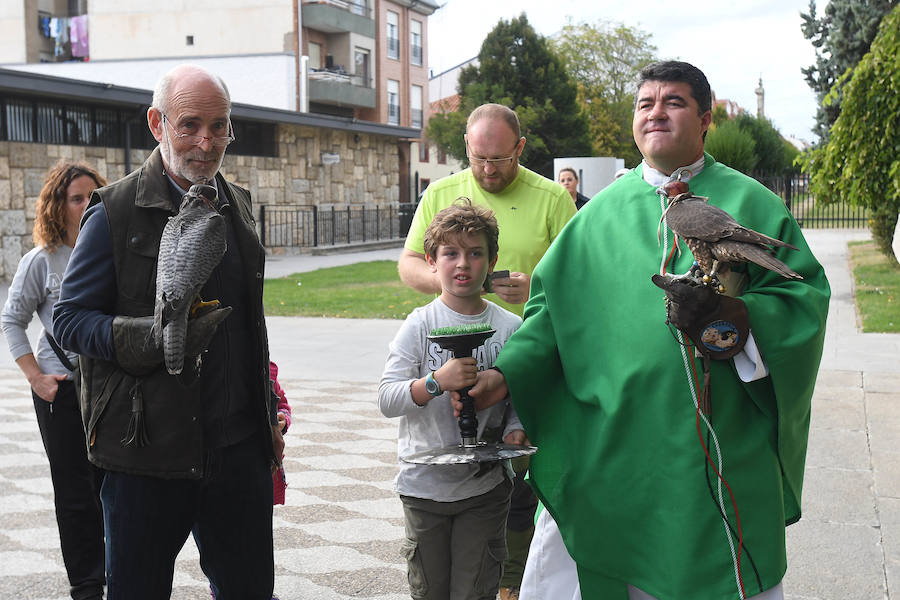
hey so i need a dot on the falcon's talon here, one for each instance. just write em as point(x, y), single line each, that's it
point(200, 307)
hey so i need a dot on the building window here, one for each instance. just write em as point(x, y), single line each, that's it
point(415, 42)
point(423, 151)
point(39, 121)
point(415, 106)
point(361, 58)
point(359, 7)
point(189, 40)
point(442, 156)
point(393, 35)
point(393, 101)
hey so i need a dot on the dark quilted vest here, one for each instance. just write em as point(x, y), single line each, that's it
point(163, 410)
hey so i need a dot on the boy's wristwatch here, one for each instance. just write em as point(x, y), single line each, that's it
point(431, 385)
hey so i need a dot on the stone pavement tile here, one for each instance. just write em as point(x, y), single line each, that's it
point(884, 436)
point(838, 408)
point(886, 467)
point(888, 383)
point(883, 407)
point(834, 561)
point(838, 378)
point(889, 511)
point(840, 449)
point(839, 496)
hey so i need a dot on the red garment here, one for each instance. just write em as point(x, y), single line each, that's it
point(279, 481)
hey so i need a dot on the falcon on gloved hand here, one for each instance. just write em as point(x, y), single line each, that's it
point(192, 244)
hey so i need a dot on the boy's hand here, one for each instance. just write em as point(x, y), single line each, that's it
point(457, 373)
point(513, 289)
point(282, 421)
point(489, 389)
point(517, 437)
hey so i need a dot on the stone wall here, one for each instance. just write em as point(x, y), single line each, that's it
point(365, 174)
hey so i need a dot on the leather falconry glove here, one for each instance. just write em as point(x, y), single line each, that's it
point(137, 352)
point(717, 325)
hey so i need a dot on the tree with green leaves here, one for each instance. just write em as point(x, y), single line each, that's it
point(769, 145)
point(731, 144)
point(605, 59)
point(518, 69)
point(748, 144)
point(841, 37)
point(860, 163)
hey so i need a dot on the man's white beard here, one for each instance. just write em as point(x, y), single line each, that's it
point(179, 166)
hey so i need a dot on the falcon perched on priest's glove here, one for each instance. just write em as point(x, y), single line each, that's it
point(715, 238)
point(718, 325)
point(192, 244)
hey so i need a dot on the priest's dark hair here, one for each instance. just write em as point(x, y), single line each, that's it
point(673, 70)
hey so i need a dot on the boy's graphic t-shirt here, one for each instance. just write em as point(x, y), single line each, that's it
point(411, 357)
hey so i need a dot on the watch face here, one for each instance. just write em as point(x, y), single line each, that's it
point(431, 386)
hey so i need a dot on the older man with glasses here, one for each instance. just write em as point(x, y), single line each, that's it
point(188, 453)
point(531, 211)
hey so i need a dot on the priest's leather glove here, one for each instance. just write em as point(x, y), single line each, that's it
point(137, 352)
point(718, 325)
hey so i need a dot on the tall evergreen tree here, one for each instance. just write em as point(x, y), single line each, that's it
point(842, 36)
point(518, 69)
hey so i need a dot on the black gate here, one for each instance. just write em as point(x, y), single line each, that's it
point(794, 190)
point(314, 226)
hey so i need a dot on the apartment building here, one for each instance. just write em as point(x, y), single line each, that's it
point(366, 58)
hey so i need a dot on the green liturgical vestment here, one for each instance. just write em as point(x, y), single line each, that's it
point(602, 387)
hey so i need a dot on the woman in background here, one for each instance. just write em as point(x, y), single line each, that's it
point(35, 289)
point(569, 180)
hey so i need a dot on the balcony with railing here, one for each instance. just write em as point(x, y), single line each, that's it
point(415, 117)
point(339, 16)
point(334, 85)
point(393, 47)
point(415, 52)
point(393, 114)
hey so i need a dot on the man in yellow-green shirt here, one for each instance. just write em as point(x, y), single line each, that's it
point(530, 209)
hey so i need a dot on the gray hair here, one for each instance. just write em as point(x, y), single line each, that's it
point(164, 86)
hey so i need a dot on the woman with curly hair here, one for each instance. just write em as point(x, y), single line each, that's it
point(35, 289)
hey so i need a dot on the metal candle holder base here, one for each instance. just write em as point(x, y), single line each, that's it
point(465, 455)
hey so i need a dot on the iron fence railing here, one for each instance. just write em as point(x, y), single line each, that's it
point(318, 226)
point(794, 190)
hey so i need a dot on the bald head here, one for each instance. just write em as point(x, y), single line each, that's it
point(496, 112)
point(182, 78)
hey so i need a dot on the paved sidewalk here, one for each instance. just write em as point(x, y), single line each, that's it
point(339, 535)
point(847, 545)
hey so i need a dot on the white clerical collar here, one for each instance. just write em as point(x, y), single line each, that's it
point(658, 178)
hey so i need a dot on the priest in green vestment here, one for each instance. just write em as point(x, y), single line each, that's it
point(654, 498)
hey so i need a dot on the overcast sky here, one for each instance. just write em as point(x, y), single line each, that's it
point(733, 42)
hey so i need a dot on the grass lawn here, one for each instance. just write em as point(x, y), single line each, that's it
point(370, 290)
point(877, 288)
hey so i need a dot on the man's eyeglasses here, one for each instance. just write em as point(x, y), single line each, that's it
point(494, 162)
point(196, 140)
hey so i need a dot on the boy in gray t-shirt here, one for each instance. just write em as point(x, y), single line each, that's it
point(455, 514)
